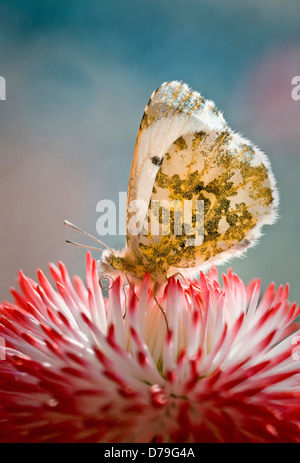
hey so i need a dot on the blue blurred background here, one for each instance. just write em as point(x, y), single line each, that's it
point(78, 76)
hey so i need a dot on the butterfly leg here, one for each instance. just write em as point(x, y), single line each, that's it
point(180, 275)
point(131, 286)
point(125, 293)
point(126, 299)
point(183, 277)
point(160, 307)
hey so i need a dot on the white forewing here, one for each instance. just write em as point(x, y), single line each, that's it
point(173, 110)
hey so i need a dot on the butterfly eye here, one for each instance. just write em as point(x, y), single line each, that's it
point(117, 263)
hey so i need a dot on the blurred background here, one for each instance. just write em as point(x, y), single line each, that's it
point(78, 76)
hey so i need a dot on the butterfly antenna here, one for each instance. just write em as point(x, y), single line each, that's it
point(71, 225)
point(83, 246)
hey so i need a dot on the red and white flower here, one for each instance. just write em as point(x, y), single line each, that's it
point(74, 369)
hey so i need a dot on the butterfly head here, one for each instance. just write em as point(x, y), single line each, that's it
point(111, 263)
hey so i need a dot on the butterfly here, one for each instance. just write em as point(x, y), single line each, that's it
point(185, 153)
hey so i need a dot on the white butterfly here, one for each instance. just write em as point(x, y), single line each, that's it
point(185, 151)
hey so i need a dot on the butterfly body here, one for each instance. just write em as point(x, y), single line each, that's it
point(129, 266)
point(186, 155)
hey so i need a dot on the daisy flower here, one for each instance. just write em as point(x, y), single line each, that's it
point(78, 367)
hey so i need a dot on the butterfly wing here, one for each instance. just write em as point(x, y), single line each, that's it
point(186, 154)
point(173, 109)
